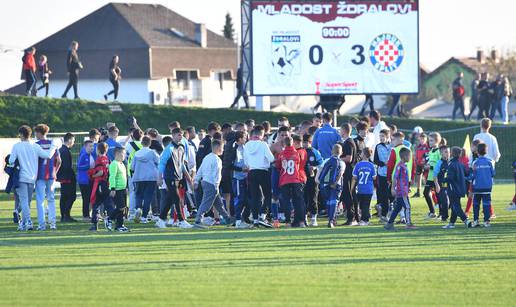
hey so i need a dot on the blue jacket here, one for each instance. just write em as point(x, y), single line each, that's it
point(330, 171)
point(324, 139)
point(112, 144)
point(455, 179)
point(314, 159)
point(83, 165)
point(482, 175)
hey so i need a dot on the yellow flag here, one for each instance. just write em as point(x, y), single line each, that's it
point(467, 144)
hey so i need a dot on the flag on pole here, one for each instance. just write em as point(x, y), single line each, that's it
point(467, 144)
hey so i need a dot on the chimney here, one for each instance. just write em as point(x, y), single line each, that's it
point(201, 34)
point(495, 55)
point(480, 56)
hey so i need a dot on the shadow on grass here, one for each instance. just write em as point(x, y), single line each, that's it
point(228, 237)
point(145, 266)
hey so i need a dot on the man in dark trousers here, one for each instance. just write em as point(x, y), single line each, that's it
point(369, 101)
point(241, 91)
point(458, 95)
point(349, 153)
point(66, 176)
point(205, 144)
point(73, 65)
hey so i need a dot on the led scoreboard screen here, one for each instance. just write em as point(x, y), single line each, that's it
point(334, 47)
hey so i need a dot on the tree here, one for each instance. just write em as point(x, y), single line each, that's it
point(228, 30)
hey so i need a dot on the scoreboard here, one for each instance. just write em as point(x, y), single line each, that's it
point(334, 47)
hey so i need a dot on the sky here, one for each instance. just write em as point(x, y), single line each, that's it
point(447, 27)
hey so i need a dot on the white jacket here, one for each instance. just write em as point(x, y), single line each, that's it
point(210, 170)
point(27, 154)
point(493, 152)
point(257, 155)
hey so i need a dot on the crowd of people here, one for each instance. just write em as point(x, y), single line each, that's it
point(488, 96)
point(246, 175)
point(31, 71)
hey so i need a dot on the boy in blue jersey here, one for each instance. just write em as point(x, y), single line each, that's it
point(440, 182)
point(364, 175)
point(456, 188)
point(483, 173)
point(314, 161)
point(330, 180)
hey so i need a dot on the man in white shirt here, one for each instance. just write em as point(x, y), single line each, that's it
point(378, 125)
point(209, 175)
point(493, 152)
point(27, 154)
point(258, 157)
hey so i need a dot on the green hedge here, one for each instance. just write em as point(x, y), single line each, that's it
point(71, 115)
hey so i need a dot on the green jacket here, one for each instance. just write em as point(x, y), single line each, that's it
point(434, 155)
point(117, 176)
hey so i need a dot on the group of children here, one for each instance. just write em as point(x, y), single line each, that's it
point(262, 179)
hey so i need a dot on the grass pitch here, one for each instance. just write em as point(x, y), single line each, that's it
point(225, 267)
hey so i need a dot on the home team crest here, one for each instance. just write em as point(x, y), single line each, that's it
point(386, 53)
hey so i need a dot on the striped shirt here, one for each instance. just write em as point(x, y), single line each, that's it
point(402, 180)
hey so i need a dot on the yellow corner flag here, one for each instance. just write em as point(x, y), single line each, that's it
point(467, 144)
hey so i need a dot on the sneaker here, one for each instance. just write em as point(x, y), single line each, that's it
point(105, 97)
point(108, 224)
point(29, 226)
point(144, 220)
point(416, 195)
point(313, 223)
point(16, 217)
point(243, 225)
point(155, 218)
point(511, 207)
point(401, 221)
point(138, 215)
point(389, 226)
point(130, 218)
point(184, 225)
point(21, 227)
point(487, 224)
point(449, 226)
point(430, 216)
point(123, 229)
point(475, 224)
point(93, 228)
point(161, 224)
point(42, 228)
point(468, 223)
point(331, 224)
point(354, 223)
point(263, 223)
point(208, 221)
point(410, 226)
point(364, 223)
point(53, 226)
point(170, 222)
point(384, 219)
point(223, 221)
point(199, 226)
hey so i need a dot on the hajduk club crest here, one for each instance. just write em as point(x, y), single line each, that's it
point(386, 53)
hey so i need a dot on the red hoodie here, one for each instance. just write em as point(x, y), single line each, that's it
point(29, 63)
point(289, 163)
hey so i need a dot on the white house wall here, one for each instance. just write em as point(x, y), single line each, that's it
point(131, 90)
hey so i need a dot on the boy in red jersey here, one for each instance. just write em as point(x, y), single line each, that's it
point(288, 163)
